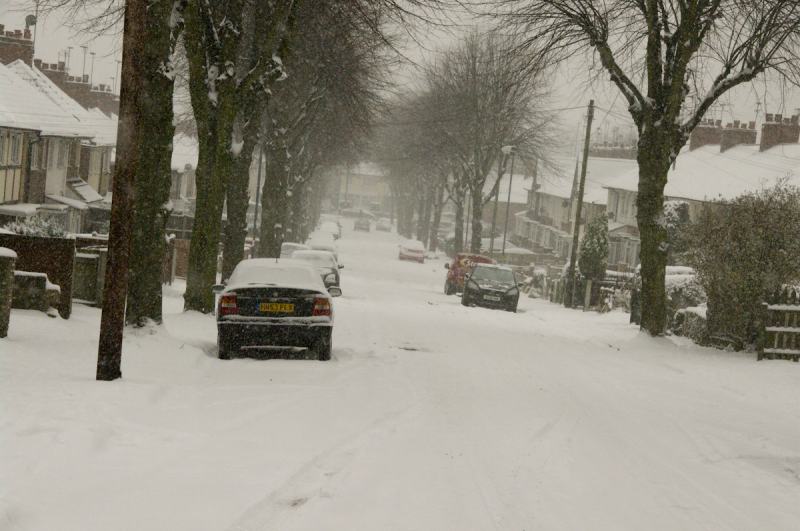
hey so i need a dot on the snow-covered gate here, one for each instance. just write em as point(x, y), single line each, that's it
point(782, 329)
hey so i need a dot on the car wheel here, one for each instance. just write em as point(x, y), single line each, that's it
point(223, 353)
point(464, 301)
point(322, 348)
point(512, 309)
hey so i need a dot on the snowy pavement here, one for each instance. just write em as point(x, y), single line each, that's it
point(431, 416)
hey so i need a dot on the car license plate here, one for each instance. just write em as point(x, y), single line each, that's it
point(494, 298)
point(276, 307)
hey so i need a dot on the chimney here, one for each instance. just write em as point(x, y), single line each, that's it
point(751, 125)
point(704, 135)
point(14, 46)
point(102, 87)
point(37, 63)
point(61, 66)
point(85, 78)
point(780, 132)
point(768, 118)
point(736, 136)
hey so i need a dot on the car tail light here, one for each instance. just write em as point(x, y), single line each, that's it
point(228, 304)
point(322, 307)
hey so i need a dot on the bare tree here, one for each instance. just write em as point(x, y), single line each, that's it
point(657, 53)
point(487, 98)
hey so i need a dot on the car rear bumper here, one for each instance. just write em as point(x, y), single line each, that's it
point(505, 302)
point(236, 336)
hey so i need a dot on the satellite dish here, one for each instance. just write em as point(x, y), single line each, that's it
point(30, 20)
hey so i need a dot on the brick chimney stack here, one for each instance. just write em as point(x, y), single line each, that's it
point(15, 45)
point(778, 130)
point(737, 134)
point(707, 132)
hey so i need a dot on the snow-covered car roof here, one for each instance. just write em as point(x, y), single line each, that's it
point(315, 256)
point(413, 245)
point(287, 273)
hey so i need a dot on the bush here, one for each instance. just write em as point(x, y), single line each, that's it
point(744, 250)
point(594, 250)
point(37, 226)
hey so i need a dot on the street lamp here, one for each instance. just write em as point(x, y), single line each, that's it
point(513, 151)
point(91, 72)
point(69, 54)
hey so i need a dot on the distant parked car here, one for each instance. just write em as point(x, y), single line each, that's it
point(412, 250)
point(333, 228)
point(491, 286)
point(322, 243)
point(275, 305)
point(383, 225)
point(362, 224)
point(324, 262)
point(460, 266)
point(287, 248)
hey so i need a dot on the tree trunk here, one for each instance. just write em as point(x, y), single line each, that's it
point(654, 161)
point(129, 137)
point(477, 221)
point(458, 244)
point(154, 173)
point(237, 202)
point(274, 208)
point(438, 206)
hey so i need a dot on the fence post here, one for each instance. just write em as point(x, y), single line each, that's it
point(7, 260)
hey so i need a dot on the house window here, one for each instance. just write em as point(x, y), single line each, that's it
point(62, 153)
point(74, 149)
point(16, 149)
point(2, 149)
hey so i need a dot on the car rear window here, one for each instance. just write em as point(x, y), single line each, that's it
point(275, 274)
point(493, 274)
point(316, 258)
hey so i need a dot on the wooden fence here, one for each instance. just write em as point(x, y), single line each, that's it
point(782, 327)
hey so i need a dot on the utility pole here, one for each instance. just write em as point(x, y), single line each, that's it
point(91, 72)
point(496, 200)
point(83, 70)
point(129, 137)
point(508, 202)
point(68, 54)
point(573, 256)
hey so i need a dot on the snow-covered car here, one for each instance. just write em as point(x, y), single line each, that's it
point(491, 286)
point(288, 248)
point(413, 250)
point(457, 270)
point(318, 243)
point(324, 262)
point(383, 225)
point(361, 224)
point(275, 305)
point(333, 228)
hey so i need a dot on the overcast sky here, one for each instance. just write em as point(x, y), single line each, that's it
point(571, 87)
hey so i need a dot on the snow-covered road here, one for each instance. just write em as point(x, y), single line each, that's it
point(431, 416)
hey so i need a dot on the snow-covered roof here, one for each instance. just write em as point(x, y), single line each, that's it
point(557, 180)
point(23, 108)
point(74, 203)
point(185, 151)
point(705, 174)
point(19, 209)
point(94, 123)
point(84, 190)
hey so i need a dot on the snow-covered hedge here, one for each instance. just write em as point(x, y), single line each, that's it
point(37, 226)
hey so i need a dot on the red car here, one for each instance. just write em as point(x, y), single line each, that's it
point(461, 265)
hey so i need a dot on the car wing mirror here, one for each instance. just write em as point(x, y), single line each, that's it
point(335, 291)
point(341, 266)
point(217, 288)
